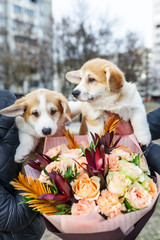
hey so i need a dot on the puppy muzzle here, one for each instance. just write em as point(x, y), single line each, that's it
point(46, 131)
point(76, 93)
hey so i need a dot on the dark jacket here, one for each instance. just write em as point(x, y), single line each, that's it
point(153, 150)
point(17, 221)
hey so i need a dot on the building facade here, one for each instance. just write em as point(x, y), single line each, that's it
point(156, 42)
point(26, 44)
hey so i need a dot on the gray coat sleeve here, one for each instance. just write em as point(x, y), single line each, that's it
point(152, 152)
point(154, 123)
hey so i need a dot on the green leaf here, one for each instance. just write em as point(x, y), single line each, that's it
point(128, 206)
point(55, 159)
point(58, 213)
point(45, 171)
point(70, 174)
point(83, 151)
point(62, 206)
point(64, 209)
point(136, 159)
point(55, 188)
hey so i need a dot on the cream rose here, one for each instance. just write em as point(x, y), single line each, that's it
point(117, 183)
point(86, 187)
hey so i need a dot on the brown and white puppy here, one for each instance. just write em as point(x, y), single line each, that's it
point(39, 114)
point(102, 88)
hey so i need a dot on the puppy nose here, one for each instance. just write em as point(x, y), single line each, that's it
point(46, 131)
point(76, 93)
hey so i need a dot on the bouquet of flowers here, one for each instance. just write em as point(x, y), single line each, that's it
point(90, 189)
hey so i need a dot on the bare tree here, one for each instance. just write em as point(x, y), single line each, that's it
point(129, 53)
point(76, 41)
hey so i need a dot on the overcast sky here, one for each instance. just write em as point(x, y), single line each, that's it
point(133, 15)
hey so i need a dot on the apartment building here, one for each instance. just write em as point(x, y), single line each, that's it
point(156, 41)
point(26, 33)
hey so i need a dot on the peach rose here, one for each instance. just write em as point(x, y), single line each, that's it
point(68, 156)
point(86, 187)
point(151, 187)
point(122, 154)
point(84, 207)
point(109, 204)
point(137, 196)
point(113, 162)
point(53, 152)
point(72, 153)
point(56, 166)
point(82, 161)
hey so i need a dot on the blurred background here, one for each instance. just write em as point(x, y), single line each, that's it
point(40, 40)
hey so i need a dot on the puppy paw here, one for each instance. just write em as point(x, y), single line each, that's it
point(144, 139)
point(19, 157)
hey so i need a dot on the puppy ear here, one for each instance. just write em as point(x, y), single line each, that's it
point(74, 76)
point(115, 79)
point(66, 110)
point(15, 110)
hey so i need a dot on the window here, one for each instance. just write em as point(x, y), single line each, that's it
point(42, 6)
point(25, 40)
point(34, 1)
point(30, 13)
point(34, 83)
point(20, 39)
point(1, 8)
point(2, 23)
point(17, 9)
point(2, 39)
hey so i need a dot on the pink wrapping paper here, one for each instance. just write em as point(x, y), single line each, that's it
point(94, 222)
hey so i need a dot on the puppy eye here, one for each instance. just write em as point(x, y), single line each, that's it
point(53, 111)
point(36, 114)
point(90, 79)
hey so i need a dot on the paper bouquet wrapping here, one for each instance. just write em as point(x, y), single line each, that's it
point(115, 224)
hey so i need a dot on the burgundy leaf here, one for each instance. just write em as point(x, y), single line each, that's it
point(59, 202)
point(106, 168)
point(98, 140)
point(90, 157)
point(79, 164)
point(96, 172)
point(98, 160)
point(107, 139)
point(93, 137)
point(111, 137)
point(102, 141)
point(102, 151)
point(60, 197)
point(116, 142)
point(63, 185)
point(102, 181)
point(48, 158)
point(42, 159)
point(47, 196)
point(52, 176)
point(35, 165)
point(90, 171)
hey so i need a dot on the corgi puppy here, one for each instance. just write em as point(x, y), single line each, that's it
point(102, 88)
point(39, 114)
